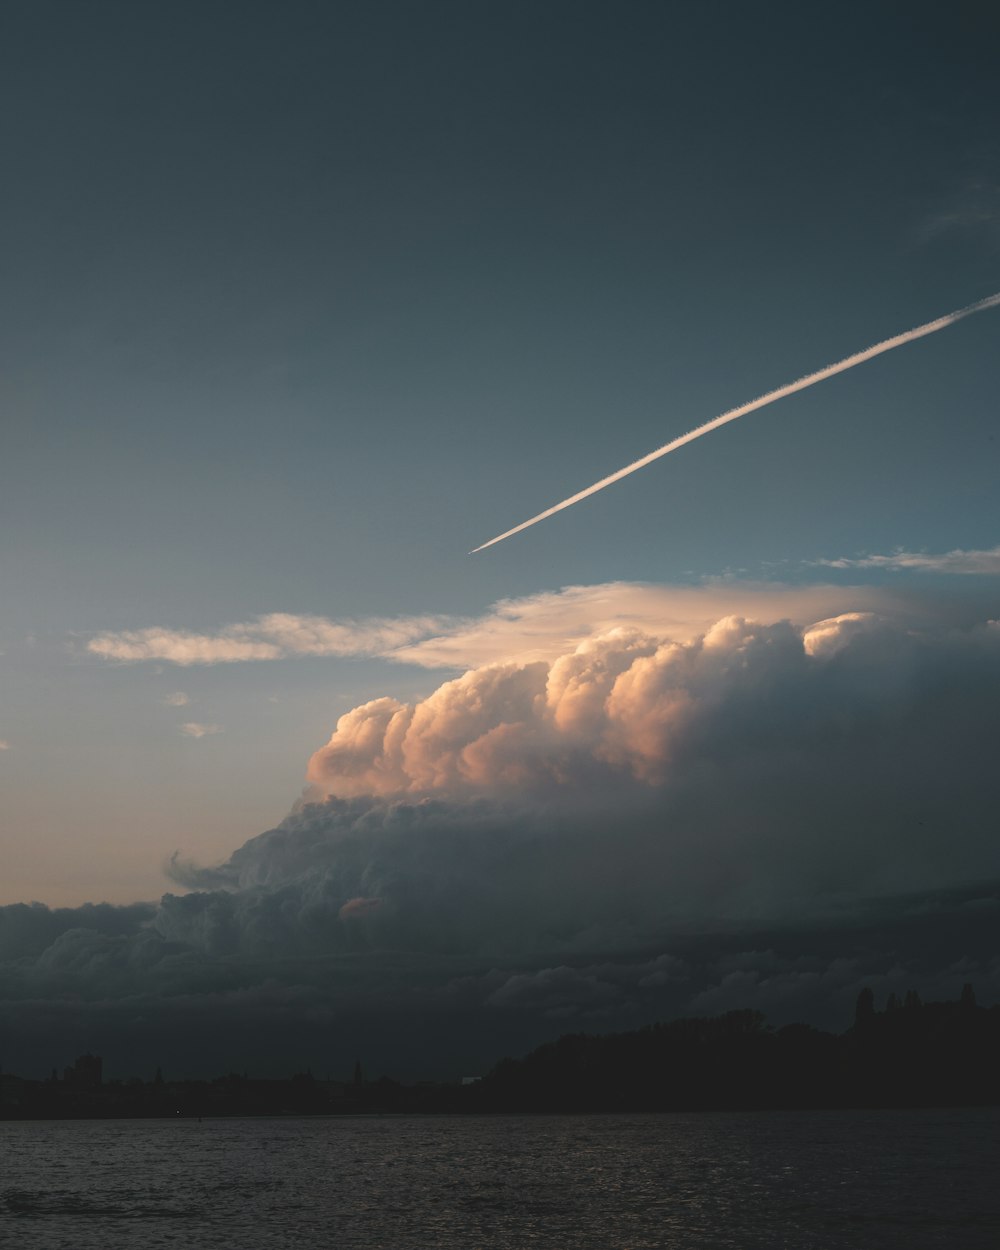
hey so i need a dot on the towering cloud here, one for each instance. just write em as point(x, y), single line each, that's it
point(625, 707)
point(752, 771)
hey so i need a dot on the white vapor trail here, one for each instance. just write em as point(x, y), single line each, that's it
point(930, 327)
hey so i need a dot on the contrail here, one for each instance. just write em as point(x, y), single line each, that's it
point(930, 327)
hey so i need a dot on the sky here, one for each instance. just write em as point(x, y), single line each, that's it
point(302, 302)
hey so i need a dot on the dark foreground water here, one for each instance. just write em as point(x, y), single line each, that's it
point(915, 1179)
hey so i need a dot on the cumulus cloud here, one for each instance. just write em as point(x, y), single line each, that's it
point(28, 929)
point(985, 562)
point(631, 786)
point(560, 993)
point(777, 983)
point(591, 991)
point(622, 707)
point(195, 729)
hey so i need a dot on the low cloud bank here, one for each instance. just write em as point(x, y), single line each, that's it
point(117, 986)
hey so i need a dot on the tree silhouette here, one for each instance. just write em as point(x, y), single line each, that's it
point(864, 1010)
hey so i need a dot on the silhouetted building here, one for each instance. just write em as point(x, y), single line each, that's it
point(86, 1072)
point(11, 1090)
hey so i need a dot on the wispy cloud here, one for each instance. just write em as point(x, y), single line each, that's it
point(958, 561)
point(177, 699)
point(971, 209)
point(4, 744)
point(195, 729)
point(275, 636)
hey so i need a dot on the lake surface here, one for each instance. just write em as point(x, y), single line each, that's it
point(915, 1179)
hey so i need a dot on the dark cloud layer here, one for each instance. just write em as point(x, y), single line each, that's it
point(141, 1000)
point(769, 816)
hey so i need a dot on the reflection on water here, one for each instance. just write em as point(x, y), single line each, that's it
point(827, 1179)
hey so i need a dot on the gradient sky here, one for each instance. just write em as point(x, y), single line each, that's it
point(301, 301)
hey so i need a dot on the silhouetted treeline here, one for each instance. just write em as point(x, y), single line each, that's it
point(910, 1054)
point(232, 1095)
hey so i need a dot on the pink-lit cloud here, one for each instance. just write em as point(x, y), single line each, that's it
point(623, 704)
point(358, 908)
point(197, 729)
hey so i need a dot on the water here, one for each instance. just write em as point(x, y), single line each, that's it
point(770, 1180)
